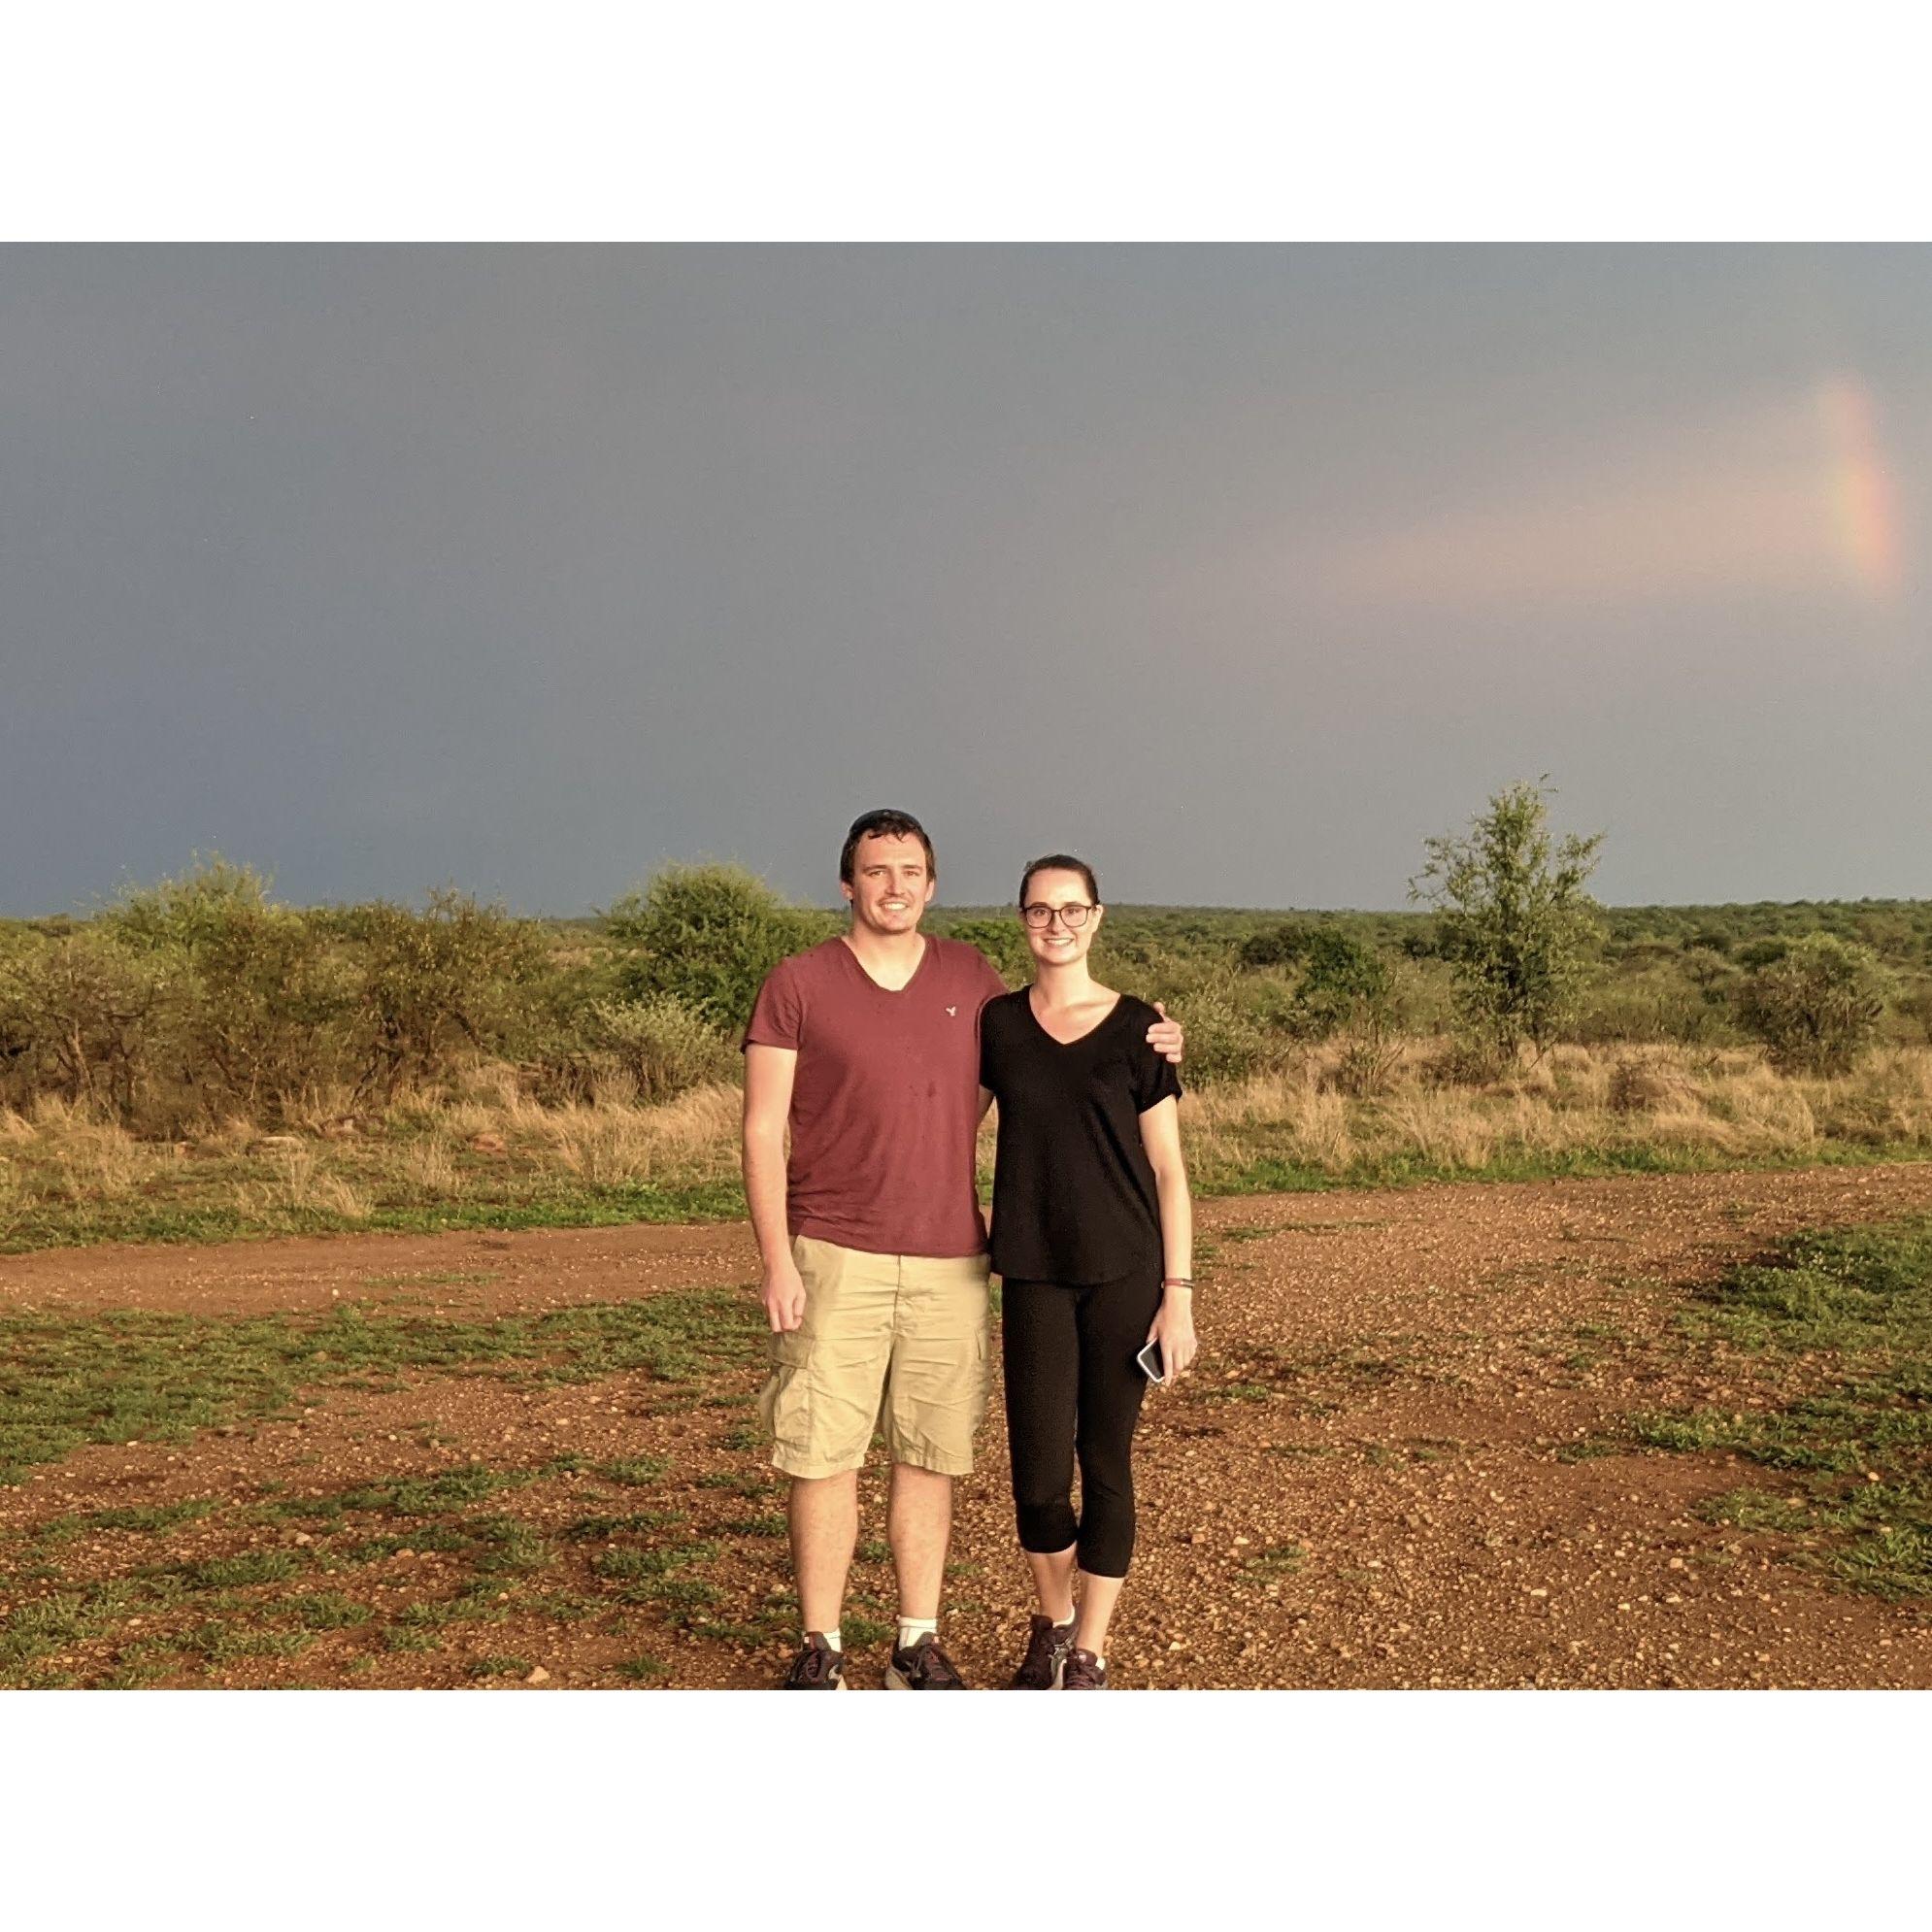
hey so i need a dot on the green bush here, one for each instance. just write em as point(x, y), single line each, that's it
point(1686, 999)
point(1279, 945)
point(1344, 983)
point(708, 935)
point(1002, 941)
point(1818, 1006)
point(1227, 1039)
point(664, 1047)
point(431, 983)
point(254, 996)
point(77, 1021)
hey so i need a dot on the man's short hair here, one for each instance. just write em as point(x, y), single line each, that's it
point(884, 825)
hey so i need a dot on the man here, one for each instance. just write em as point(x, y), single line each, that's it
point(870, 1237)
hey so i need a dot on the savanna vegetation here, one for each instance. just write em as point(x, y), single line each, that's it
point(199, 1060)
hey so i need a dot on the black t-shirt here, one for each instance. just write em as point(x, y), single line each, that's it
point(1074, 1196)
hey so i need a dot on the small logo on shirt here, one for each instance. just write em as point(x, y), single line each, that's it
point(953, 1012)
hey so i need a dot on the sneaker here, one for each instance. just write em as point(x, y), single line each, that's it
point(924, 1666)
point(1046, 1658)
point(816, 1667)
point(1083, 1672)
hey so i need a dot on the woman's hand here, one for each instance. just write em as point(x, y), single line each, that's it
point(1174, 1329)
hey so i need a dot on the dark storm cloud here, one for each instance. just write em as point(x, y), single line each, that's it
point(1238, 570)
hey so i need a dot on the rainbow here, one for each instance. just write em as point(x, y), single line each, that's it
point(1863, 499)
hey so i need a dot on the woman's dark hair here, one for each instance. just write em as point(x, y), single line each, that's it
point(1061, 862)
point(884, 825)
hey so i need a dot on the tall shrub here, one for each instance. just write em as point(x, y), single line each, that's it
point(77, 1016)
point(253, 995)
point(708, 935)
point(1817, 1007)
point(1512, 920)
point(451, 976)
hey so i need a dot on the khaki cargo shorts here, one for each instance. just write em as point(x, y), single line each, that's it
point(895, 1342)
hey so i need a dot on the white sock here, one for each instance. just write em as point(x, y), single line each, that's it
point(1068, 1621)
point(830, 1636)
point(912, 1628)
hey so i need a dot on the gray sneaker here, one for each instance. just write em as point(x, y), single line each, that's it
point(816, 1667)
point(924, 1666)
point(1083, 1672)
point(1046, 1646)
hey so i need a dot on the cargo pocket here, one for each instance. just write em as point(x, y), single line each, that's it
point(786, 1402)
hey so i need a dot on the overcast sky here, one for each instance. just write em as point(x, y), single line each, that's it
point(1237, 571)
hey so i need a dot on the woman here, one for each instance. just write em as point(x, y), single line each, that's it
point(1093, 1240)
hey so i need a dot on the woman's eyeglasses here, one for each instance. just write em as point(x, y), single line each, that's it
point(1074, 916)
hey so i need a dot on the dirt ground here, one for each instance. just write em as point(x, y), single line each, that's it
point(1361, 1486)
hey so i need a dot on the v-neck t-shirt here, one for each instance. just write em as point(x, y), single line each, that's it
point(886, 1097)
point(1073, 1194)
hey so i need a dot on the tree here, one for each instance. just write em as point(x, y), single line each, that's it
point(1512, 920)
point(1818, 1004)
point(250, 994)
point(434, 981)
point(709, 934)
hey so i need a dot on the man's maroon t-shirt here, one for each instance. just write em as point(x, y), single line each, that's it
point(886, 1100)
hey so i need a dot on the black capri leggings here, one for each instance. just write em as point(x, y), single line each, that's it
point(1073, 1389)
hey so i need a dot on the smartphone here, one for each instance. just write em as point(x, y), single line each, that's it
point(1150, 1363)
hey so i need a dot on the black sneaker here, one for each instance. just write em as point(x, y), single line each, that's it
point(924, 1666)
point(816, 1667)
point(1047, 1648)
point(1083, 1672)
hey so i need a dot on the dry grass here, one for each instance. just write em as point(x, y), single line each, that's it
point(97, 1158)
point(486, 1148)
point(1669, 1103)
point(302, 1184)
point(694, 1137)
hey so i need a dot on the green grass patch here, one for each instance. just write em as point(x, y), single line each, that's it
point(231, 1573)
point(1236, 1391)
point(1840, 1324)
point(739, 1482)
point(227, 1642)
point(203, 1205)
point(148, 1519)
point(632, 1471)
point(325, 1610)
point(1277, 1559)
point(600, 1529)
point(771, 1525)
point(678, 1594)
point(626, 1565)
point(1269, 1174)
point(410, 1637)
point(132, 1374)
point(499, 1666)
